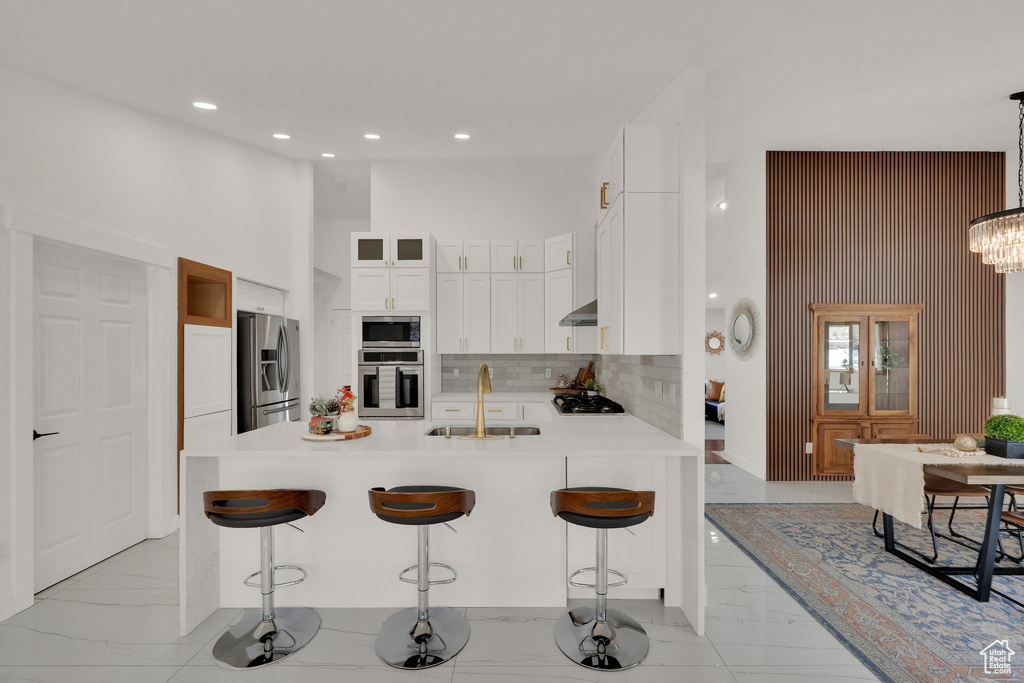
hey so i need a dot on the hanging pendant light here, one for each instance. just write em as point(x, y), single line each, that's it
point(999, 237)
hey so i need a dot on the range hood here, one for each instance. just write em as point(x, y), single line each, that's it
point(584, 316)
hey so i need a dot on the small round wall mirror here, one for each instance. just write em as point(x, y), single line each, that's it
point(745, 329)
point(714, 342)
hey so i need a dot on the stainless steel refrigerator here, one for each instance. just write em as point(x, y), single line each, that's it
point(268, 371)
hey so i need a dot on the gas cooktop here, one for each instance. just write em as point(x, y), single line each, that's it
point(574, 404)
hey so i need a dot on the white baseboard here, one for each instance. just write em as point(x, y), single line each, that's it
point(758, 469)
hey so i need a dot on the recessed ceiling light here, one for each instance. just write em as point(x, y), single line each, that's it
point(327, 155)
point(204, 105)
point(713, 295)
point(462, 136)
point(722, 205)
point(282, 136)
point(372, 136)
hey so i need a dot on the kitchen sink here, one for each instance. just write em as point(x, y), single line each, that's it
point(518, 430)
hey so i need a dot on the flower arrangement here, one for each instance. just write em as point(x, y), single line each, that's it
point(346, 399)
point(322, 407)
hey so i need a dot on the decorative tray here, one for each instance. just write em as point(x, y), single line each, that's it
point(358, 433)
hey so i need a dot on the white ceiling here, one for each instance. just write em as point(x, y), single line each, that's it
point(537, 78)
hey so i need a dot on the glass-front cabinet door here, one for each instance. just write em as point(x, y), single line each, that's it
point(893, 373)
point(841, 384)
point(371, 249)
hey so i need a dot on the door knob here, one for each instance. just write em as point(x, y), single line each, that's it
point(37, 435)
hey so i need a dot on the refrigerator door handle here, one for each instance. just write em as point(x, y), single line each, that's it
point(281, 409)
point(282, 359)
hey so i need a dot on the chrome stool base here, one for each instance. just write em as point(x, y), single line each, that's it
point(575, 635)
point(395, 644)
point(241, 647)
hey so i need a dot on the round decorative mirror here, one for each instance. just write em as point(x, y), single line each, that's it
point(745, 329)
point(714, 342)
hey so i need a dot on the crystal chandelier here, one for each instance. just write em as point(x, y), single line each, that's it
point(999, 237)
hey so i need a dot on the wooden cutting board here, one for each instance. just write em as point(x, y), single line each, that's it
point(360, 432)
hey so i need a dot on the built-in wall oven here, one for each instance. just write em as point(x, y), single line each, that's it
point(391, 383)
point(391, 332)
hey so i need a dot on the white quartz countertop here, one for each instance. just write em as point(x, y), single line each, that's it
point(497, 397)
point(618, 435)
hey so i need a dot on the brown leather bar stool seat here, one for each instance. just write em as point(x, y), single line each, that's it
point(601, 638)
point(264, 636)
point(422, 637)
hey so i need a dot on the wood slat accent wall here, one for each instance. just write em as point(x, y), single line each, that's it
point(882, 227)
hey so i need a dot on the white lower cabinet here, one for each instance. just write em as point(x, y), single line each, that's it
point(641, 557)
point(449, 411)
point(203, 430)
point(494, 411)
point(536, 412)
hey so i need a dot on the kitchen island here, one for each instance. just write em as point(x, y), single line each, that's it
point(510, 552)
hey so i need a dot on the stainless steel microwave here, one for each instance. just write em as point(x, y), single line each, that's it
point(391, 331)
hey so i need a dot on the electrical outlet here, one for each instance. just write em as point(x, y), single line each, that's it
point(658, 391)
point(490, 372)
point(672, 393)
point(547, 372)
point(4, 552)
point(456, 372)
point(809, 448)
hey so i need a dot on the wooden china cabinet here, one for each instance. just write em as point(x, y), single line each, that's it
point(864, 378)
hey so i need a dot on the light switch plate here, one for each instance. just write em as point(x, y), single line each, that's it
point(809, 448)
point(456, 373)
point(547, 372)
point(490, 372)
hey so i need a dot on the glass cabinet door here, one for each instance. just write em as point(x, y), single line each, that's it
point(842, 381)
point(893, 366)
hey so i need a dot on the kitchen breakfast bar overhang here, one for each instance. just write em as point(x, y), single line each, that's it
point(510, 552)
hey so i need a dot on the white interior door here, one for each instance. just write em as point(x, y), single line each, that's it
point(90, 388)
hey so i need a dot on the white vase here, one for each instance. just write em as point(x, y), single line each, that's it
point(347, 422)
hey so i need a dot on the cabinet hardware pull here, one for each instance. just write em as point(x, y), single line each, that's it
point(494, 410)
point(392, 303)
point(604, 200)
point(566, 343)
point(460, 263)
point(452, 410)
point(524, 412)
point(513, 343)
point(567, 262)
point(385, 302)
point(460, 343)
point(520, 343)
point(392, 263)
point(513, 263)
point(466, 259)
point(603, 330)
point(520, 263)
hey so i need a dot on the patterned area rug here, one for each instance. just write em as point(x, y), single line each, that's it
point(903, 624)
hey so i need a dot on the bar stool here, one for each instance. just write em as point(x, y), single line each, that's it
point(420, 637)
point(264, 636)
point(601, 638)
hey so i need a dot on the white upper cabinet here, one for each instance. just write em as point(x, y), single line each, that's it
point(504, 313)
point(504, 256)
point(559, 300)
point(463, 313)
point(476, 256)
point(531, 313)
point(249, 296)
point(531, 256)
point(371, 289)
point(391, 249)
point(522, 256)
point(559, 252)
point(410, 289)
point(478, 313)
point(450, 315)
point(464, 256)
point(609, 281)
point(371, 250)
point(638, 243)
point(410, 250)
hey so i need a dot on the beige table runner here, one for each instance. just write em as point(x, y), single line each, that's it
point(890, 477)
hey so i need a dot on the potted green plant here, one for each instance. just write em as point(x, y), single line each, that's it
point(593, 386)
point(1004, 436)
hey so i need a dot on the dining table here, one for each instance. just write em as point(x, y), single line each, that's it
point(992, 473)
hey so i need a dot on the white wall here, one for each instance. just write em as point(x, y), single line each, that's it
point(6, 423)
point(481, 199)
point(714, 365)
point(746, 421)
point(116, 170)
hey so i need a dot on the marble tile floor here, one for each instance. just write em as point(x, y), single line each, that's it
point(117, 622)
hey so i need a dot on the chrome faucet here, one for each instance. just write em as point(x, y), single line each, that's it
point(483, 386)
